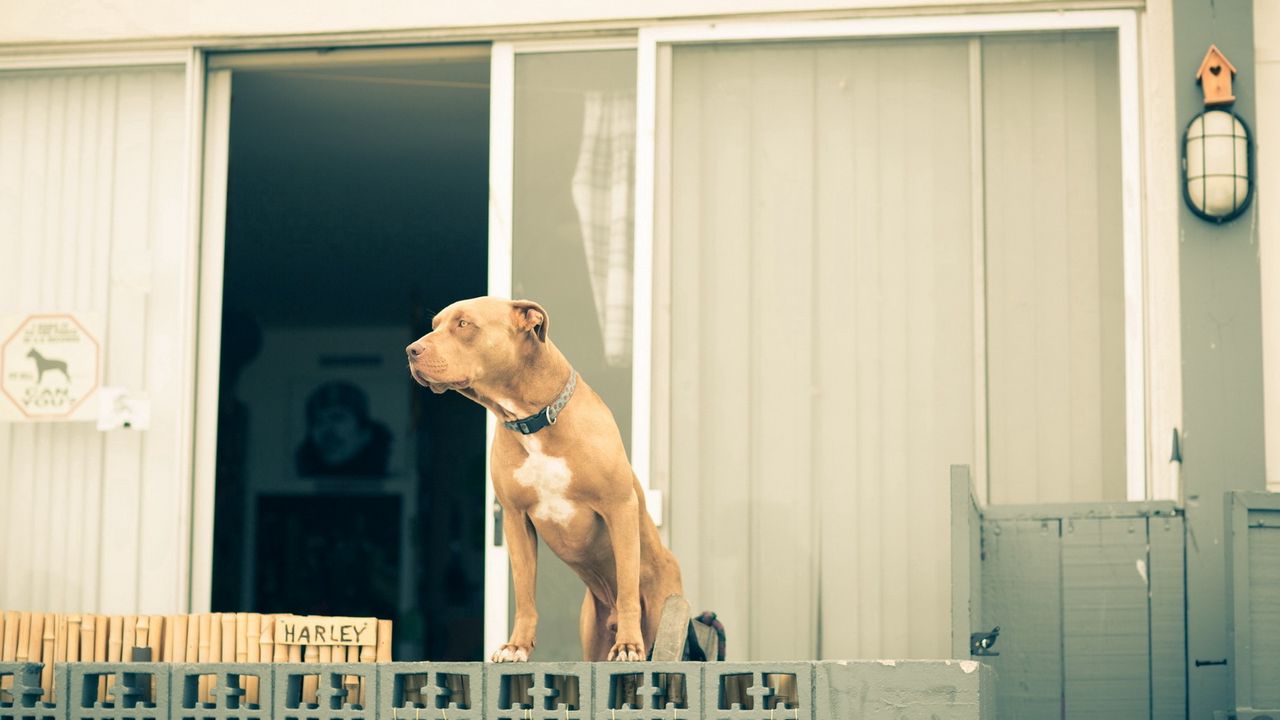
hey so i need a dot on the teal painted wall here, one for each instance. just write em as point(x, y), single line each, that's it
point(1221, 353)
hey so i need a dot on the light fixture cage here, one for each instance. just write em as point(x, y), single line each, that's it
point(1217, 165)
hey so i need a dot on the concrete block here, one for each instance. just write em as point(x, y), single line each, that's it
point(904, 689)
point(430, 691)
point(538, 691)
point(758, 691)
point(648, 691)
point(22, 698)
point(325, 691)
point(118, 691)
point(236, 691)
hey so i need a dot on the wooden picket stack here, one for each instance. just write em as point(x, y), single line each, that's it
point(51, 638)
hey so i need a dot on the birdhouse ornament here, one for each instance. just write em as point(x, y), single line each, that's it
point(1215, 75)
point(1217, 152)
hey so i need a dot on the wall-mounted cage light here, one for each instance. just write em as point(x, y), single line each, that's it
point(1217, 165)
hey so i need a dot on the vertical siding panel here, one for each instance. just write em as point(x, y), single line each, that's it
point(940, 355)
point(12, 104)
point(781, 212)
point(101, 201)
point(835, 347)
point(822, 368)
point(894, 541)
point(688, 487)
point(1010, 276)
point(1107, 224)
point(868, 461)
point(125, 330)
point(1046, 195)
point(62, 282)
point(1055, 269)
point(725, 385)
point(717, 465)
point(81, 134)
point(1080, 174)
point(160, 543)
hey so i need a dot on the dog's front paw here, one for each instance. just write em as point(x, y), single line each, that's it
point(627, 652)
point(511, 653)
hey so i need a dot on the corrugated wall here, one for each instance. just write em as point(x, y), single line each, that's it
point(822, 338)
point(1055, 286)
point(92, 219)
point(824, 219)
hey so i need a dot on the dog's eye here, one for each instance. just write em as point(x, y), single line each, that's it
point(463, 323)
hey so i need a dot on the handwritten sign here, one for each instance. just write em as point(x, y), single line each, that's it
point(49, 367)
point(308, 630)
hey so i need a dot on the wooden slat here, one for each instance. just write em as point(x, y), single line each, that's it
point(252, 647)
point(9, 646)
point(129, 640)
point(384, 641)
point(48, 652)
point(73, 638)
point(229, 637)
point(181, 626)
point(204, 653)
point(1021, 593)
point(1105, 621)
point(102, 641)
point(1264, 608)
point(115, 638)
point(191, 649)
point(310, 682)
point(156, 636)
point(35, 640)
point(1168, 618)
point(88, 637)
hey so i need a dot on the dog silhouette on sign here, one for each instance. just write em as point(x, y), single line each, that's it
point(44, 364)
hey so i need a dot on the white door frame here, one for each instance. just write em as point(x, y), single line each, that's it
point(501, 189)
point(501, 239)
point(213, 147)
point(653, 77)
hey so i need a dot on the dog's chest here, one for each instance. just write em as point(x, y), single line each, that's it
point(548, 476)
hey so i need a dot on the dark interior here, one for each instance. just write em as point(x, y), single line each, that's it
point(356, 208)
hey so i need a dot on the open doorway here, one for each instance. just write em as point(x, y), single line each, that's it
point(356, 208)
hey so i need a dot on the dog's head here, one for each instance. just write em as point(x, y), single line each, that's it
point(479, 340)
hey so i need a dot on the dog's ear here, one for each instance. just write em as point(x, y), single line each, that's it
point(530, 317)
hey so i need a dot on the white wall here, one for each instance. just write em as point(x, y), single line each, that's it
point(23, 21)
point(93, 219)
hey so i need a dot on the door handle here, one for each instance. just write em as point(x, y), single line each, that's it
point(497, 524)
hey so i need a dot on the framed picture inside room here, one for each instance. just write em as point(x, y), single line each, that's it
point(329, 407)
point(345, 425)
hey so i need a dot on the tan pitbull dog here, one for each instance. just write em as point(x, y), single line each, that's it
point(560, 472)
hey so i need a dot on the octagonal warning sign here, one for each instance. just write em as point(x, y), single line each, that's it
point(49, 367)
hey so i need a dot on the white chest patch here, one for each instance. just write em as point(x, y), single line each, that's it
point(549, 477)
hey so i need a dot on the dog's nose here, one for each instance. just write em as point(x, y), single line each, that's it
point(413, 350)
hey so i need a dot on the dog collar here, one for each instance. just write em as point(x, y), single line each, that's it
point(547, 416)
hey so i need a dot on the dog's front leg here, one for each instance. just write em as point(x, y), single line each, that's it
point(623, 522)
point(522, 544)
